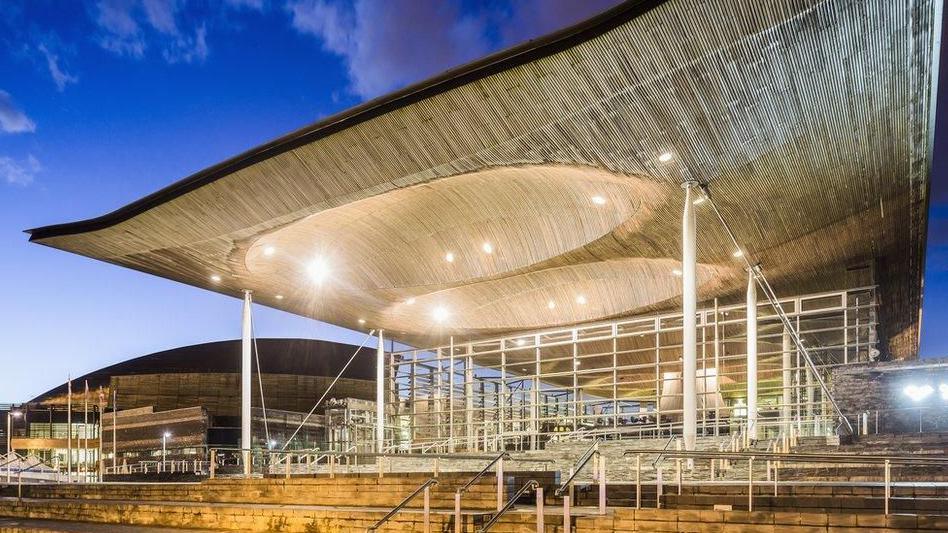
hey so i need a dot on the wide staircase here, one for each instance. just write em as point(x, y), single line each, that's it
point(787, 495)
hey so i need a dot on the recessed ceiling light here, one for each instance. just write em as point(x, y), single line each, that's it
point(361, 321)
point(449, 257)
point(576, 363)
point(521, 342)
point(215, 278)
point(677, 272)
point(665, 157)
point(487, 247)
point(410, 301)
point(581, 300)
point(318, 270)
point(269, 250)
point(551, 304)
point(440, 314)
point(279, 296)
point(598, 200)
point(739, 253)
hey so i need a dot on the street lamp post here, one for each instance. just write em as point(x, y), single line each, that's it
point(10, 416)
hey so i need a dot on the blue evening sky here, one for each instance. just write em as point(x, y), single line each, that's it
point(103, 102)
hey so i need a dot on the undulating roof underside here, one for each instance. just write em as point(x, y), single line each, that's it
point(811, 121)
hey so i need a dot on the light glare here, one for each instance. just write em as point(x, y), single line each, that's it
point(279, 296)
point(581, 300)
point(318, 270)
point(665, 157)
point(598, 200)
point(677, 272)
point(440, 314)
point(449, 257)
point(918, 393)
point(943, 388)
point(410, 301)
point(739, 253)
point(488, 249)
point(215, 278)
point(269, 250)
point(551, 305)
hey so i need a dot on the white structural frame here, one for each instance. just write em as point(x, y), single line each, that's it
point(622, 377)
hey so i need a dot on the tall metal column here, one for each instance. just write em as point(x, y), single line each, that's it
point(689, 304)
point(787, 414)
point(751, 355)
point(469, 399)
point(245, 370)
point(380, 394)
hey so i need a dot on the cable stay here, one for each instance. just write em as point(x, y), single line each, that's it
point(328, 389)
point(757, 273)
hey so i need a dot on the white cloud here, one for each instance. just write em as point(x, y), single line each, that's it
point(60, 77)
point(390, 44)
point(12, 120)
point(19, 172)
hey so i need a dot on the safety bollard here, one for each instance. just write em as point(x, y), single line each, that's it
point(540, 524)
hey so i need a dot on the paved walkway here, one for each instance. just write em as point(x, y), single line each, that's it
point(58, 526)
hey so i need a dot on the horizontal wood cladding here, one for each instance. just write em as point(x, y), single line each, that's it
point(219, 394)
point(811, 123)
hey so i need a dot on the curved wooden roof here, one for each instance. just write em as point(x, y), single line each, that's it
point(811, 122)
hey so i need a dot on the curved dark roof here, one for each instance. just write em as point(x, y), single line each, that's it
point(499, 62)
point(304, 357)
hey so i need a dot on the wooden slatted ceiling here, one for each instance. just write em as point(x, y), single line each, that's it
point(810, 120)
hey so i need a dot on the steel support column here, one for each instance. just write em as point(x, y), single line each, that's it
point(751, 355)
point(787, 411)
point(689, 303)
point(380, 393)
point(246, 345)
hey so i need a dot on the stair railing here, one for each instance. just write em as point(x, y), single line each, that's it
point(423, 488)
point(499, 461)
point(528, 486)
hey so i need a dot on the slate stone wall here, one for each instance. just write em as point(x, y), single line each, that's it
point(882, 387)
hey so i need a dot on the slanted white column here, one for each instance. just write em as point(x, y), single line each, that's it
point(689, 304)
point(751, 356)
point(246, 345)
point(380, 394)
point(787, 380)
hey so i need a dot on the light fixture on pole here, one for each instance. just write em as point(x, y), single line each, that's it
point(10, 416)
point(164, 445)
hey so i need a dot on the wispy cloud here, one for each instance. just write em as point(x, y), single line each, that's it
point(128, 27)
point(387, 45)
point(19, 173)
point(256, 5)
point(12, 120)
point(60, 77)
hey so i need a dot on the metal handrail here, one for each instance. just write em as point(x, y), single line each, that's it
point(590, 452)
point(473, 480)
point(802, 457)
point(400, 506)
point(665, 447)
point(529, 485)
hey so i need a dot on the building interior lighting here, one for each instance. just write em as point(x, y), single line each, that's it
point(167, 435)
point(318, 270)
point(598, 200)
point(269, 250)
point(449, 257)
point(739, 253)
point(521, 342)
point(215, 278)
point(410, 301)
point(279, 296)
point(551, 305)
point(581, 300)
point(361, 321)
point(677, 272)
point(918, 392)
point(665, 157)
point(488, 248)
